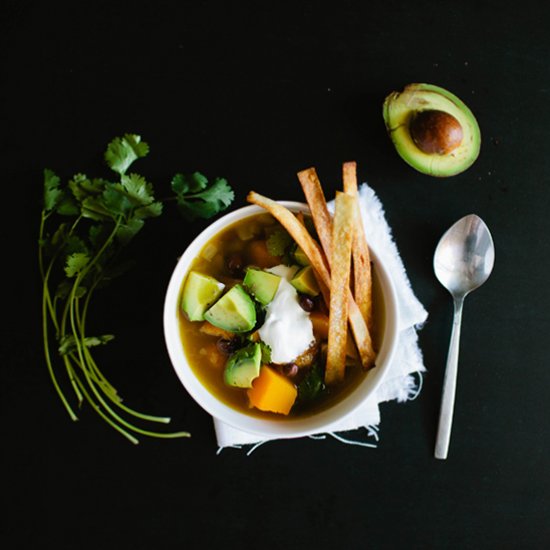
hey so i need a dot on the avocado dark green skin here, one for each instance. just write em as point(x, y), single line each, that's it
point(400, 108)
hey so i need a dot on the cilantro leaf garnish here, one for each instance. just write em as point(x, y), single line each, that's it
point(312, 385)
point(69, 344)
point(197, 198)
point(138, 191)
point(190, 183)
point(249, 349)
point(266, 353)
point(123, 151)
point(76, 263)
point(278, 242)
point(52, 193)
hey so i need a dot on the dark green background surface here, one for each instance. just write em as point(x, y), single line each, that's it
point(255, 94)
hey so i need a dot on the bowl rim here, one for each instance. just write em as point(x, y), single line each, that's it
point(286, 427)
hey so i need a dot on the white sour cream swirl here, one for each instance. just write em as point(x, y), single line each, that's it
point(287, 329)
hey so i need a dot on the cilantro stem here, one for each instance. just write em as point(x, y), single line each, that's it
point(134, 428)
point(72, 377)
point(118, 402)
point(45, 301)
point(67, 309)
point(79, 278)
point(78, 334)
point(102, 383)
point(96, 374)
point(49, 361)
point(102, 402)
point(76, 222)
point(91, 362)
point(79, 339)
point(45, 275)
point(97, 408)
point(108, 388)
point(43, 218)
point(114, 398)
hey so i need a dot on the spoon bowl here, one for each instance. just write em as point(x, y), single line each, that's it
point(465, 256)
point(463, 261)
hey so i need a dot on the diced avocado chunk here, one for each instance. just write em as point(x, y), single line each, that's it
point(199, 293)
point(243, 367)
point(304, 281)
point(261, 284)
point(300, 257)
point(234, 311)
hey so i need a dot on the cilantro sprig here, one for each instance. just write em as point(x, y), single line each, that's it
point(85, 223)
point(312, 385)
point(280, 243)
point(198, 198)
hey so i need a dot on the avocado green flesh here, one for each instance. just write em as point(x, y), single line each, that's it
point(234, 311)
point(300, 257)
point(199, 293)
point(400, 107)
point(242, 368)
point(261, 284)
point(304, 281)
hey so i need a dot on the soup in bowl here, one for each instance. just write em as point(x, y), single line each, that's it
point(246, 328)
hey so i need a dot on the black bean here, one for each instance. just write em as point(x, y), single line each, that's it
point(306, 303)
point(235, 264)
point(226, 346)
point(290, 370)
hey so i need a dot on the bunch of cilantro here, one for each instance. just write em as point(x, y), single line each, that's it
point(84, 225)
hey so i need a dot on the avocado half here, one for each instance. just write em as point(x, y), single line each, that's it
point(432, 129)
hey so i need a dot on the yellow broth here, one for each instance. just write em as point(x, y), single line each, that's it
point(200, 349)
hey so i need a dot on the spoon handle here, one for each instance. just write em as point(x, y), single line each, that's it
point(449, 386)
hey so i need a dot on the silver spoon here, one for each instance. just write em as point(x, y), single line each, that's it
point(463, 261)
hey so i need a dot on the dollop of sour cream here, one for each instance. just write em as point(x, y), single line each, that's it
point(287, 329)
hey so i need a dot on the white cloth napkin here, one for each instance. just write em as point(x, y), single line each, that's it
point(400, 383)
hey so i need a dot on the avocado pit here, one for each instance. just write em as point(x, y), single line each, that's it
point(432, 129)
point(435, 132)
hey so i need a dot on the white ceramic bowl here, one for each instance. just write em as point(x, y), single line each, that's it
point(284, 427)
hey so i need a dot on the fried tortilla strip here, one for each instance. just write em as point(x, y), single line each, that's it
point(319, 263)
point(297, 231)
point(323, 224)
point(342, 238)
point(361, 334)
point(362, 276)
point(318, 206)
point(324, 289)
